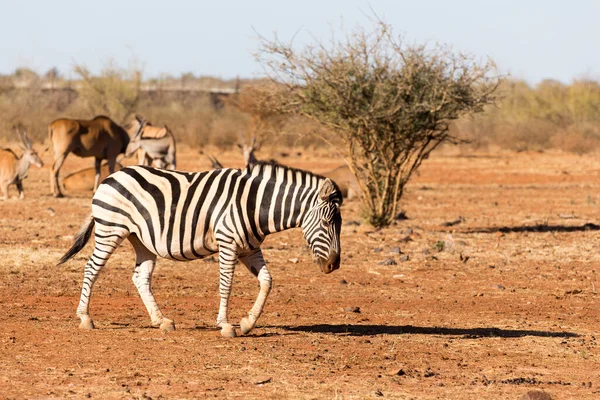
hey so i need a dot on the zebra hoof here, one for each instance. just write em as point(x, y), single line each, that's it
point(228, 331)
point(167, 325)
point(246, 325)
point(86, 323)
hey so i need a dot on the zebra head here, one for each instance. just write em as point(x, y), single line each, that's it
point(322, 227)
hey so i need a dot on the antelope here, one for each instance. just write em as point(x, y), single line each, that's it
point(345, 180)
point(341, 175)
point(100, 138)
point(14, 169)
point(82, 180)
point(156, 145)
point(248, 150)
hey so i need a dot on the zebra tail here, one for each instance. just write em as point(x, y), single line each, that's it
point(81, 239)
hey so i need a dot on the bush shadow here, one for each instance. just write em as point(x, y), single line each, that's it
point(540, 228)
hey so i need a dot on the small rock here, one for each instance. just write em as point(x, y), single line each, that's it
point(353, 223)
point(395, 250)
point(343, 282)
point(408, 231)
point(498, 286)
point(536, 395)
point(405, 257)
point(426, 252)
point(429, 374)
point(396, 372)
point(352, 309)
point(398, 276)
point(293, 260)
point(389, 261)
point(377, 250)
point(378, 393)
point(263, 381)
point(405, 239)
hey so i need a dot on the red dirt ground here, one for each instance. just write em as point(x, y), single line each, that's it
point(503, 302)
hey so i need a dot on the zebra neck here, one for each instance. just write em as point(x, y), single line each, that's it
point(284, 198)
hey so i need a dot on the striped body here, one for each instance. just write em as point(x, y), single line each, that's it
point(185, 216)
point(226, 202)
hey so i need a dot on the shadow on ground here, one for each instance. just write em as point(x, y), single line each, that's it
point(536, 228)
point(468, 333)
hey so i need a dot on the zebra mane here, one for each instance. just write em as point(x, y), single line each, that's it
point(277, 167)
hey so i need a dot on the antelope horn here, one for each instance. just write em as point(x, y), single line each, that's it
point(20, 136)
point(28, 140)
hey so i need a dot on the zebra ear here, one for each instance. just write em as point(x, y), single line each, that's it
point(327, 188)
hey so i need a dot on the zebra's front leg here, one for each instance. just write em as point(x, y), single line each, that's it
point(145, 262)
point(256, 264)
point(227, 260)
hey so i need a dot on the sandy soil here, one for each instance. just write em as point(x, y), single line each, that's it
point(494, 294)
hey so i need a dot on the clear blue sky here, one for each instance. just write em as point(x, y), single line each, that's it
point(531, 39)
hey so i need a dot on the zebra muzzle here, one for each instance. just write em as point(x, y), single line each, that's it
point(328, 265)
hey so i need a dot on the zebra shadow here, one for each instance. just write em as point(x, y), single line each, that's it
point(466, 333)
point(539, 228)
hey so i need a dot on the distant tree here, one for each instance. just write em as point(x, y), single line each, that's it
point(388, 102)
point(264, 119)
point(115, 92)
point(25, 77)
point(51, 76)
point(186, 79)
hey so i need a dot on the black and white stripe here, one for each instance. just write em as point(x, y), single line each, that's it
point(185, 216)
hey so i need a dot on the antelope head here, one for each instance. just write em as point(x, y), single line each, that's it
point(248, 150)
point(136, 140)
point(29, 153)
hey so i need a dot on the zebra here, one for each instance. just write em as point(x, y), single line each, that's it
point(185, 216)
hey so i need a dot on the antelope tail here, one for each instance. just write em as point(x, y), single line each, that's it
point(81, 239)
point(49, 138)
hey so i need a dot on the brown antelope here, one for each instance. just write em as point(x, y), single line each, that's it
point(14, 169)
point(100, 138)
point(155, 145)
point(345, 180)
point(83, 179)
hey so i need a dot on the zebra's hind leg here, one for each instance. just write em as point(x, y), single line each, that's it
point(145, 261)
point(256, 264)
point(227, 260)
point(105, 245)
